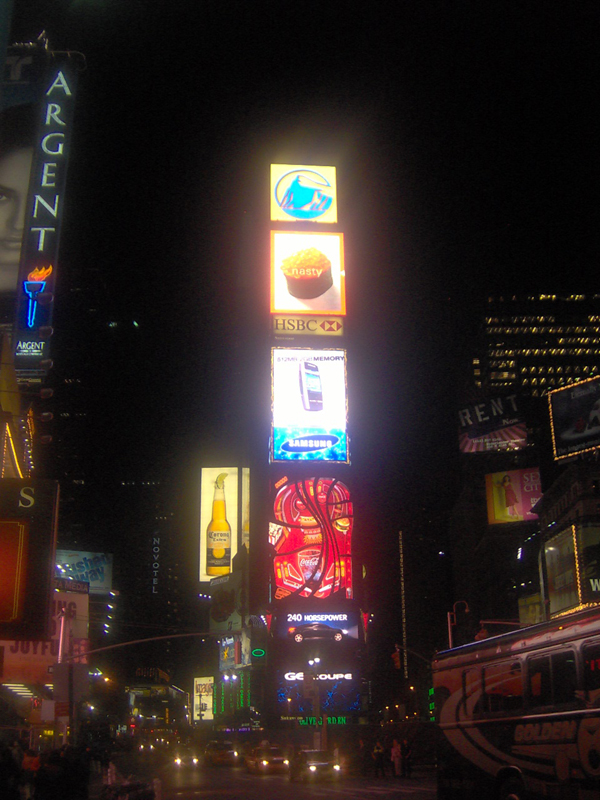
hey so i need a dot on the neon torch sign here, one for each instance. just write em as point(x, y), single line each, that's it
point(34, 286)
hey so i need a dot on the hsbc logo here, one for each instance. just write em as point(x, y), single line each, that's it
point(303, 325)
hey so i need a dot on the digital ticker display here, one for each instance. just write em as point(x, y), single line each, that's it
point(309, 401)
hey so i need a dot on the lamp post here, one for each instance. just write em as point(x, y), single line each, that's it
point(452, 620)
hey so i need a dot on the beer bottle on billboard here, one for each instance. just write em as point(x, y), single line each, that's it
point(218, 533)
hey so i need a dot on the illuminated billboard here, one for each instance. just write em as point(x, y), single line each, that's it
point(28, 520)
point(561, 571)
point(226, 602)
point(303, 193)
point(92, 568)
point(334, 626)
point(203, 699)
point(235, 650)
point(307, 273)
point(218, 521)
point(492, 425)
point(575, 418)
point(309, 404)
point(512, 494)
point(37, 112)
point(311, 533)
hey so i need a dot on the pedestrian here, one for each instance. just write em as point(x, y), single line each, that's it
point(9, 774)
point(379, 759)
point(396, 755)
point(365, 758)
point(405, 755)
point(29, 767)
point(50, 780)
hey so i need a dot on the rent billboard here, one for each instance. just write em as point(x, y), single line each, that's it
point(311, 535)
point(492, 425)
point(309, 402)
point(512, 494)
point(303, 193)
point(307, 273)
point(575, 418)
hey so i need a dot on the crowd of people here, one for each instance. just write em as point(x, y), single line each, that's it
point(52, 775)
point(379, 759)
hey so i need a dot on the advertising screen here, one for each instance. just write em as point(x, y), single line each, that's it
point(326, 626)
point(35, 129)
point(203, 699)
point(218, 521)
point(226, 602)
point(492, 425)
point(92, 568)
point(309, 403)
point(575, 418)
point(559, 554)
point(28, 521)
point(588, 548)
point(303, 193)
point(512, 494)
point(307, 273)
point(311, 533)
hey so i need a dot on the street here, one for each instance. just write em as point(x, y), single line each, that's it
point(185, 783)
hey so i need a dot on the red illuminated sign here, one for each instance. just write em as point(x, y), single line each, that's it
point(14, 541)
point(311, 532)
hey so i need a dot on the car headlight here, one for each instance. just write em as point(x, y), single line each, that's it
point(178, 761)
point(312, 768)
point(286, 762)
point(194, 760)
point(265, 763)
point(337, 767)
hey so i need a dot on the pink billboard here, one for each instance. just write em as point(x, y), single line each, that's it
point(512, 494)
point(311, 533)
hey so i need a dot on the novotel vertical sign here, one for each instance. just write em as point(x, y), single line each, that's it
point(45, 204)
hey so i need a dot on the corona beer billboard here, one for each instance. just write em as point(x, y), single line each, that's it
point(218, 521)
point(303, 193)
point(512, 494)
point(309, 405)
point(307, 273)
point(575, 418)
point(311, 534)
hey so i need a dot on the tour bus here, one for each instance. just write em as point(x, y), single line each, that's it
point(520, 713)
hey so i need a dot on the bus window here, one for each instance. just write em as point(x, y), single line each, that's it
point(591, 672)
point(540, 683)
point(503, 688)
point(564, 677)
point(553, 679)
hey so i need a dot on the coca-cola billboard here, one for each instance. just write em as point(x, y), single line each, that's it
point(311, 535)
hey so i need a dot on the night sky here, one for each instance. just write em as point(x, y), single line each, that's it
point(466, 141)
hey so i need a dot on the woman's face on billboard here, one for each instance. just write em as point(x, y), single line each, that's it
point(15, 167)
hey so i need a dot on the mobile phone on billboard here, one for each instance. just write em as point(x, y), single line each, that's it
point(310, 386)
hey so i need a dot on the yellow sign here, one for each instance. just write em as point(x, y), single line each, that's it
point(303, 193)
point(286, 325)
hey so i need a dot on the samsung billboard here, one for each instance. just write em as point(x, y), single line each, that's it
point(309, 402)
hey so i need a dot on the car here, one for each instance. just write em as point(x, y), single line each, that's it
point(316, 630)
point(265, 760)
point(185, 758)
point(314, 765)
point(220, 754)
